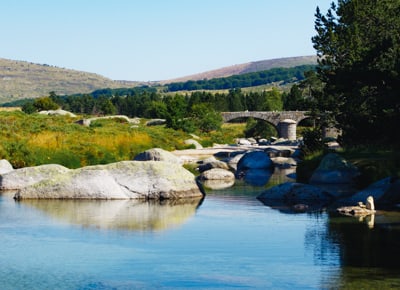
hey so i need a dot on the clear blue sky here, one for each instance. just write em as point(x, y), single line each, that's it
point(155, 39)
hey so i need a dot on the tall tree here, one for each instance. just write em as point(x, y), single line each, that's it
point(358, 42)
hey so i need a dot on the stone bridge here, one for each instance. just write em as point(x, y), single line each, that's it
point(285, 122)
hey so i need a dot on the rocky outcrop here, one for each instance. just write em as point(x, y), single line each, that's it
point(157, 154)
point(5, 166)
point(334, 169)
point(121, 180)
point(23, 177)
point(296, 195)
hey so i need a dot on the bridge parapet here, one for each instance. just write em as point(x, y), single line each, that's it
point(272, 117)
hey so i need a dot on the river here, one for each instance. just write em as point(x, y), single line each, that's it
point(228, 240)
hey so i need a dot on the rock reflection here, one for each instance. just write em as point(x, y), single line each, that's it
point(218, 184)
point(135, 215)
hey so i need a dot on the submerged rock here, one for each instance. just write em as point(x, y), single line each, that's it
point(296, 195)
point(121, 180)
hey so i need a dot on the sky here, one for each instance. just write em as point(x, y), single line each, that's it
point(150, 40)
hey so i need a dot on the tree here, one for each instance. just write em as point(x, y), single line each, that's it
point(205, 118)
point(358, 42)
point(40, 104)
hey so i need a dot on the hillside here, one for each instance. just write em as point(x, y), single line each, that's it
point(21, 79)
point(248, 68)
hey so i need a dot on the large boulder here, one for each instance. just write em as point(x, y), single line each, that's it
point(121, 180)
point(334, 169)
point(20, 178)
point(294, 194)
point(254, 160)
point(375, 190)
point(157, 154)
point(5, 166)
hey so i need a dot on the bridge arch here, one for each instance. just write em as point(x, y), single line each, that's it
point(285, 122)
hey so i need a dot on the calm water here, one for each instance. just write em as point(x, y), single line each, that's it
point(229, 240)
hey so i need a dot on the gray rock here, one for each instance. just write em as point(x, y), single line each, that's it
point(157, 154)
point(376, 190)
point(217, 174)
point(5, 166)
point(291, 193)
point(212, 165)
point(243, 141)
point(121, 180)
point(20, 178)
point(284, 162)
point(233, 161)
point(196, 144)
point(58, 112)
point(334, 169)
point(155, 122)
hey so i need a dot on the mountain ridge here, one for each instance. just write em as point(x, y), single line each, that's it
point(23, 79)
point(248, 67)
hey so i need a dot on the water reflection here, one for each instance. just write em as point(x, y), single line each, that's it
point(367, 249)
point(119, 214)
point(218, 184)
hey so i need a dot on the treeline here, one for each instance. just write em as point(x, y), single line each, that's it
point(244, 80)
point(155, 105)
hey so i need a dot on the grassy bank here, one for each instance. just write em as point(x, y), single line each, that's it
point(30, 140)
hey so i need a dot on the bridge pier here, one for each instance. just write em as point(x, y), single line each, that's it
point(287, 129)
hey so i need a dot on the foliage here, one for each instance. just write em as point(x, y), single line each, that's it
point(40, 104)
point(205, 118)
point(312, 141)
point(244, 80)
point(28, 140)
point(259, 129)
point(306, 95)
point(358, 43)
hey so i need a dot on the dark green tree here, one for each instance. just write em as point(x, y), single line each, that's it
point(358, 42)
point(205, 118)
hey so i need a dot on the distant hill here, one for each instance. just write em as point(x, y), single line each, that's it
point(22, 79)
point(248, 68)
